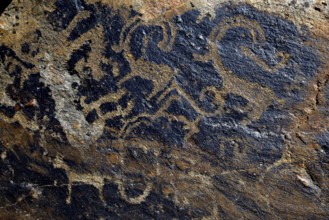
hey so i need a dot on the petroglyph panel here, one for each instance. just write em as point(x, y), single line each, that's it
point(112, 111)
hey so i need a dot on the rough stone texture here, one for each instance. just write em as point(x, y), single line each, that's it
point(164, 110)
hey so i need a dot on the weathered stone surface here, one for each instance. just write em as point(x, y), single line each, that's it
point(164, 110)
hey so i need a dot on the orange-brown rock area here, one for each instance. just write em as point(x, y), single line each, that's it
point(176, 109)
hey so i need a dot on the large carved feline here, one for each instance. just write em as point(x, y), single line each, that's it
point(131, 96)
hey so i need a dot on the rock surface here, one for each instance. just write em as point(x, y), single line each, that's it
point(169, 110)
